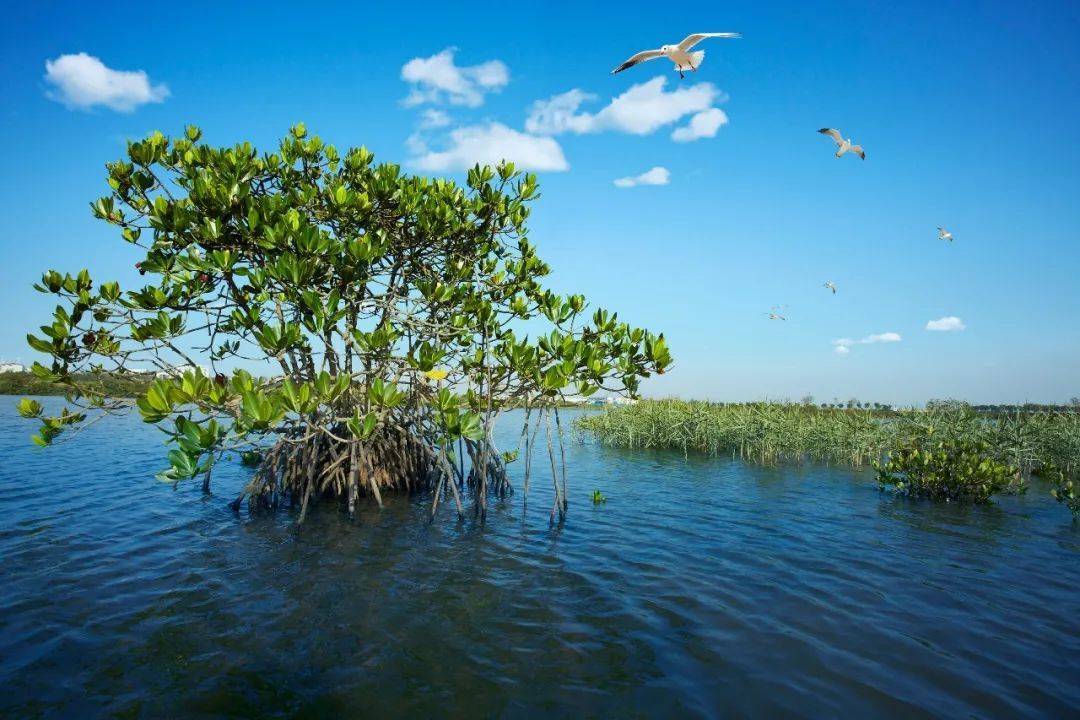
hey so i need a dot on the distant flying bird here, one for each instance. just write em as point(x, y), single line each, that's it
point(774, 313)
point(679, 54)
point(830, 285)
point(944, 234)
point(845, 146)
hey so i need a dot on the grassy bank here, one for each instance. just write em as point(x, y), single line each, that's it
point(26, 383)
point(778, 432)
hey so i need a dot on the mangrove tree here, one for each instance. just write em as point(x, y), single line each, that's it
point(347, 328)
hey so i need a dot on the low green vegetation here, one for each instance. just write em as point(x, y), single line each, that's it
point(950, 469)
point(946, 435)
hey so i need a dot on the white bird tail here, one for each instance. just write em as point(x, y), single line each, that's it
point(696, 58)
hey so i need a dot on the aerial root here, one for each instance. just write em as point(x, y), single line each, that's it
point(297, 470)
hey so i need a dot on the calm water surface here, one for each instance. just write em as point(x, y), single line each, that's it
point(703, 587)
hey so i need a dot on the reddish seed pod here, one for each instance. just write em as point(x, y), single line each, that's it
point(220, 379)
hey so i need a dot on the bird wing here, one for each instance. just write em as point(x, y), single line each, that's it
point(834, 134)
point(641, 57)
point(692, 40)
point(857, 149)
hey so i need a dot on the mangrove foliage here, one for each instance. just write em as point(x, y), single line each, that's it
point(947, 469)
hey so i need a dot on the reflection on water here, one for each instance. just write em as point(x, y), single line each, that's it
point(703, 587)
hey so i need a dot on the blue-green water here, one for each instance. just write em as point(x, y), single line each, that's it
point(703, 587)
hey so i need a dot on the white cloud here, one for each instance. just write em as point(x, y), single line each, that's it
point(416, 144)
point(843, 345)
point(438, 79)
point(641, 110)
point(558, 114)
point(655, 176)
point(949, 323)
point(488, 145)
point(433, 118)
point(82, 81)
point(703, 125)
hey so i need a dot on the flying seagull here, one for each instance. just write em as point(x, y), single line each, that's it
point(944, 234)
point(830, 285)
point(679, 54)
point(774, 314)
point(845, 146)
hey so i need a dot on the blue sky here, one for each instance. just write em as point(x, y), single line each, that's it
point(969, 112)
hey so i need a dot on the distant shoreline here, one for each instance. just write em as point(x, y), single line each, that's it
point(26, 383)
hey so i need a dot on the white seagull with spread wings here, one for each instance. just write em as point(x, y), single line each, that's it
point(679, 54)
point(944, 234)
point(774, 314)
point(845, 146)
point(830, 285)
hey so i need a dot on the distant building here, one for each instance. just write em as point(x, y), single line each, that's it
point(609, 401)
point(178, 370)
point(13, 368)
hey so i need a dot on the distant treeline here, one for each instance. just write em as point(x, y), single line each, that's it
point(26, 383)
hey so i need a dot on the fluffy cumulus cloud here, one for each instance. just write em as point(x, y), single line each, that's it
point(703, 125)
point(843, 345)
point(439, 79)
point(490, 144)
point(641, 110)
point(949, 323)
point(82, 81)
point(655, 176)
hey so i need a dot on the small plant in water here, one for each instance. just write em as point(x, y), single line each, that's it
point(251, 458)
point(1064, 490)
point(598, 497)
point(947, 470)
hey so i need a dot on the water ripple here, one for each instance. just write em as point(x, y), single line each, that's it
point(702, 588)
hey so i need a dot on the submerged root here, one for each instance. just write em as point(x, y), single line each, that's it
point(300, 470)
